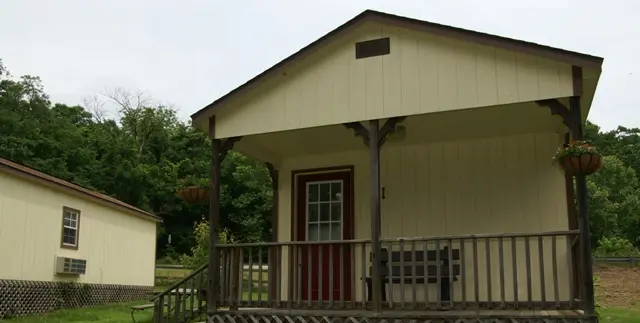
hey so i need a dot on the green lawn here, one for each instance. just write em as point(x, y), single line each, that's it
point(620, 315)
point(96, 314)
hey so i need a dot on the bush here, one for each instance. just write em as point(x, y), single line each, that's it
point(615, 247)
point(200, 251)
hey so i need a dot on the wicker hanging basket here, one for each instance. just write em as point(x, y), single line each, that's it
point(194, 194)
point(584, 164)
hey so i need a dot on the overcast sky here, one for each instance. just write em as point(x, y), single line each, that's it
point(189, 52)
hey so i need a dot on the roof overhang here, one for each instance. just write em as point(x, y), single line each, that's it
point(32, 175)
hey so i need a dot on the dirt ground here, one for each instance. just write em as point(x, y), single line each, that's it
point(618, 286)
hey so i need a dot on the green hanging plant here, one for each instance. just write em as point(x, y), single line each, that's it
point(578, 157)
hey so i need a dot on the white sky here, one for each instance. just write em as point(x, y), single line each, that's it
point(188, 53)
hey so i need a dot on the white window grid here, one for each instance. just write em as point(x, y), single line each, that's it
point(334, 199)
point(71, 222)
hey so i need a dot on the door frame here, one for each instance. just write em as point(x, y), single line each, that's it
point(293, 234)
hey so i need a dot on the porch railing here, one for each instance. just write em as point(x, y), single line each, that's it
point(492, 271)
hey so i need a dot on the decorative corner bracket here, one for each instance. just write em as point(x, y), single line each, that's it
point(560, 109)
point(362, 131)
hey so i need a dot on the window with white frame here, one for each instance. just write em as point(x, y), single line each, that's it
point(70, 227)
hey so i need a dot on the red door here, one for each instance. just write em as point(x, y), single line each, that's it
point(324, 213)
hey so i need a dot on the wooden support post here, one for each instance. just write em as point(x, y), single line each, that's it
point(274, 266)
point(214, 223)
point(374, 154)
point(583, 216)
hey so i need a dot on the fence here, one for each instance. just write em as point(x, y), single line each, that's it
point(632, 261)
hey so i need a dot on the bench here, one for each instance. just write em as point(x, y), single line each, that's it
point(392, 263)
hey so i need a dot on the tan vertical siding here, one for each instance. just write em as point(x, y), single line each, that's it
point(485, 185)
point(423, 73)
point(119, 248)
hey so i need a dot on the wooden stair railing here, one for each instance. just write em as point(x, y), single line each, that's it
point(181, 302)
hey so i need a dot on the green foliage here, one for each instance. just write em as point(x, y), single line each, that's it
point(142, 158)
point(616, 247)
point(575, 148)
point(200, 252)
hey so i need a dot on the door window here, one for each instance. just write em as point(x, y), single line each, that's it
point(324, 210)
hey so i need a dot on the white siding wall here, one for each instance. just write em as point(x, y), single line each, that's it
point(422, 74)
point(119, 248)
point(486, 185)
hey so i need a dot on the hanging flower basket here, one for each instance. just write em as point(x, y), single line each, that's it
point(579, 157)
point(194, 189)
point(194, 194)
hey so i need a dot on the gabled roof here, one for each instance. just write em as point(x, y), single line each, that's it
point(570, 57)
point(33, 174)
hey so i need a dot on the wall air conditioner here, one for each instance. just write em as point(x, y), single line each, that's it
point(70, 266)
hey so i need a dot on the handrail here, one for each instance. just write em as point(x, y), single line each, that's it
point(175, 285)
point(485, 236)
point(358, 241)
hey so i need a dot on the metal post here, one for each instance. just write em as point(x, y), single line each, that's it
point(214, 224)
point(374, 153)
point(583, 217)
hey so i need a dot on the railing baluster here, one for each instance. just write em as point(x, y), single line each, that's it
point(401, 246)
point(260, 276)
point(159, 317)
point(514, 265)
point(501, 265)
point(278, 276)
point(487, 246)
point(463, 273)
point(425, 262)
point(341, 275)
point(527, 253)
point(476, 289)
point(438, 274)
point(571, 272)
point(169, 296)
point(389, 274)
point(192, 294)
point(200, 286)
point(320, 274)
point(241, 277)
point(413, 275)
point(450, 261)
point(299, 270)
point(309, 275)
point(331, 289)
point(250, 276)
point(543, 290)
point(233, 278)
point(363, 274)
point(293, 270)
point(554, 265)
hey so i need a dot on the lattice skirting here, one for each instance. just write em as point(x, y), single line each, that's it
point(21, 297)
point(257, 318)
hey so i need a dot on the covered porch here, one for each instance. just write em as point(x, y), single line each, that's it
point(472, 219)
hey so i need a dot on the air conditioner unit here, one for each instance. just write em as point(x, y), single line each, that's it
point(70, 266)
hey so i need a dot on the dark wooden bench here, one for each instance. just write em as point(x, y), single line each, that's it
point(392, 263)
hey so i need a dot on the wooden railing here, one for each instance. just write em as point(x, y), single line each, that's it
point(493, 272)
point(183, 301)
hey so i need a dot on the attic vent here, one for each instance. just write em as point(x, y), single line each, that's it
point(375, 47)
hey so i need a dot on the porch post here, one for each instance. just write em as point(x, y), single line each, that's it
point(374, 154)
point(214, 224)
point(274, 265)
point(583, 217)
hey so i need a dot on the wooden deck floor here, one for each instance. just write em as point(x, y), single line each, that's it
point(410, 313)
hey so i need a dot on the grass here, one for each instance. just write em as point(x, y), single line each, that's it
point(95, 314)
point(620, 315)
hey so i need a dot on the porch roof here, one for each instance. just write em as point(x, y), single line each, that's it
point(591, 64)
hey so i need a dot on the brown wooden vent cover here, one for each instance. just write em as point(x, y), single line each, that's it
point(375, 47)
